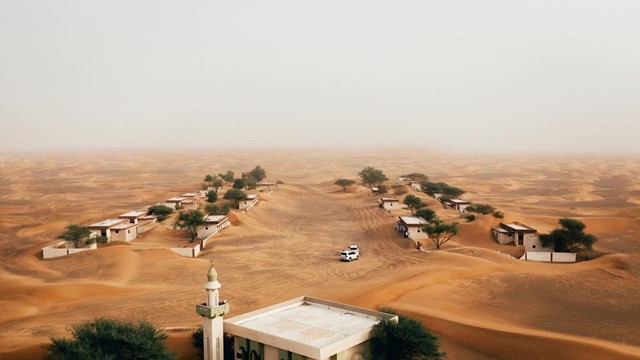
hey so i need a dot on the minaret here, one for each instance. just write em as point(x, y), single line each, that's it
point(213, 312)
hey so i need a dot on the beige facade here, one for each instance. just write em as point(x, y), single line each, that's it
point(103, 228)
point(124, 232)
point(389, 203)
point(215, 223)
point(411, 227)
point(249, 202)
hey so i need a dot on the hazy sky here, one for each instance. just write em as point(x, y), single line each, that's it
point(453, 75)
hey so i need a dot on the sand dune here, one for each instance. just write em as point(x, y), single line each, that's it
point(474, 293)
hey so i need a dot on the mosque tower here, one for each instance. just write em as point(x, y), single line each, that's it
point(213, 312)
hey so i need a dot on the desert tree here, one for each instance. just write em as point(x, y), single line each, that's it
point(161, 211)
point(208, 178)
point(190, 221)
point(228, 176)
point(413, 202)
point(212, 196)
point(110, 339)
point(236, 195)
point(440, 232)
point(217, 183)
point(212, 209)
point(426, 214)
point(372, 176)
point(344, 183)
point(416, 177)
point(483, 209)
point(239, 183)
point(406, 339)
point(432, 188)
point(250, 183)
point(75, 234)
point(257, 173)
point(570, 238)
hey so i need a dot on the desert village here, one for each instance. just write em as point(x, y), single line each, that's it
point(487, 240)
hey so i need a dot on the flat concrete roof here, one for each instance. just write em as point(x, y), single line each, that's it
point(107, 223)
point(308, 326)
point(518, 227)
point(190, 194)
point(459, 201)
point(505, 231)
point(389, 199)
point(123, 226)
point(251, 196)
point(215, 218)
point(175, 199)
point(134, 214)
point(413, 220)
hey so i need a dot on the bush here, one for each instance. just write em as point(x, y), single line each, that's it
point(161, 211)
point(470, 217)
point(399, 189)
point(280, 182)
point(101, 240)
point(111, 339)
point(498, 214)
point(382, 189)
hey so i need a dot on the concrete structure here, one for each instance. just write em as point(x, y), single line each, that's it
point(174, 202)
point(415, 185)
point(267, 186)
point(61, 249)
point(411, 227)
point(215, 223)
point(304, 328)
point(249, 202)
point(213, 312)
point(520, 235)
point(103, 228)
point(190, 195)
point(133, 216)
point(456, 204)
point(146, 223)
point(190, 204)
point(389, 203)
point(124, 232)
point(557, 257)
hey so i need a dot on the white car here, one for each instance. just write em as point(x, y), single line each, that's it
point(352, 253)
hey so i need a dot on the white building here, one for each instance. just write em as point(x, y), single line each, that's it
point(133, 216)
point(146, 223)
point(215, 223)
point(456, 204)
point(521, 235)
point(389, 203)
point(213, 312)
point(190, 204)
point(103, 228)
point(250, 201)
point(124, 232)
point(415, 185)
point(174, 202)
point(411, 227)
point(304, 328)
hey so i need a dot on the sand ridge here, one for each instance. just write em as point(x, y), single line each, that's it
point(484, 302)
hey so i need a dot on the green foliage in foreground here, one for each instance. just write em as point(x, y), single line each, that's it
point(571, 238)
point(405, 340)
point(161, 211)
point(108, 339)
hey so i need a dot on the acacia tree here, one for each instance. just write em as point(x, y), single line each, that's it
point(372, 176)
point(212, 196)
point(344, 183)
point(483, 209)
point(413, 202)
point(571, 238)
point(191, 221)
point(217, 183)
point(416, 177)
point(208, 178)
point(228, 176)
point(236, 195)
point(432, 188)
point(111, 339)
point(161, 211)
point(217, 210)
point(75, 234)
point(405, 340)
point(440, 232)
point(257, 173)
point(426, 214)
point(239, 183)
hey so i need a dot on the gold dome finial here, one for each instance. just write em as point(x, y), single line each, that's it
point(212, 275)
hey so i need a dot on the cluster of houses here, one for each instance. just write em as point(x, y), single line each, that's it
point(520, 235)
point(129, 226)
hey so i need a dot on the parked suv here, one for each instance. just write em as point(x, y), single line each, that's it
point(352, 253)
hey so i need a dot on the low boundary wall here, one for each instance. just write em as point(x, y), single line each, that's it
point(557, 257)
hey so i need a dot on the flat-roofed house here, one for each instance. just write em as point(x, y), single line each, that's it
point(214, 224)
point(250, 201)
point(133, 216)
point(190, 204)
point(190, 195)
point(103, 228)
point(389, 203)
point(174, 202)
point(304, 328)
point(267, 186)
point(415, 185)
point(520, 235)
point(146, 223)
point(456, 204)
point(411, 227)
point(124, 232)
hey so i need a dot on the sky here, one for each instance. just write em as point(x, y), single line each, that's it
point(498, 75)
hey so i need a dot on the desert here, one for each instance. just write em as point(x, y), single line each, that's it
point(475, 294)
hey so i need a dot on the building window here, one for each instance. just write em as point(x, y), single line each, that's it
point(533, 246)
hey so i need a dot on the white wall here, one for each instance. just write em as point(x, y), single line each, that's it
point(550, 257)
point(532, 243)
point(187, 251)
point(391, 205)
point(125, 234)
point(416, 233)
point(55, 250)
point(246, 204)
